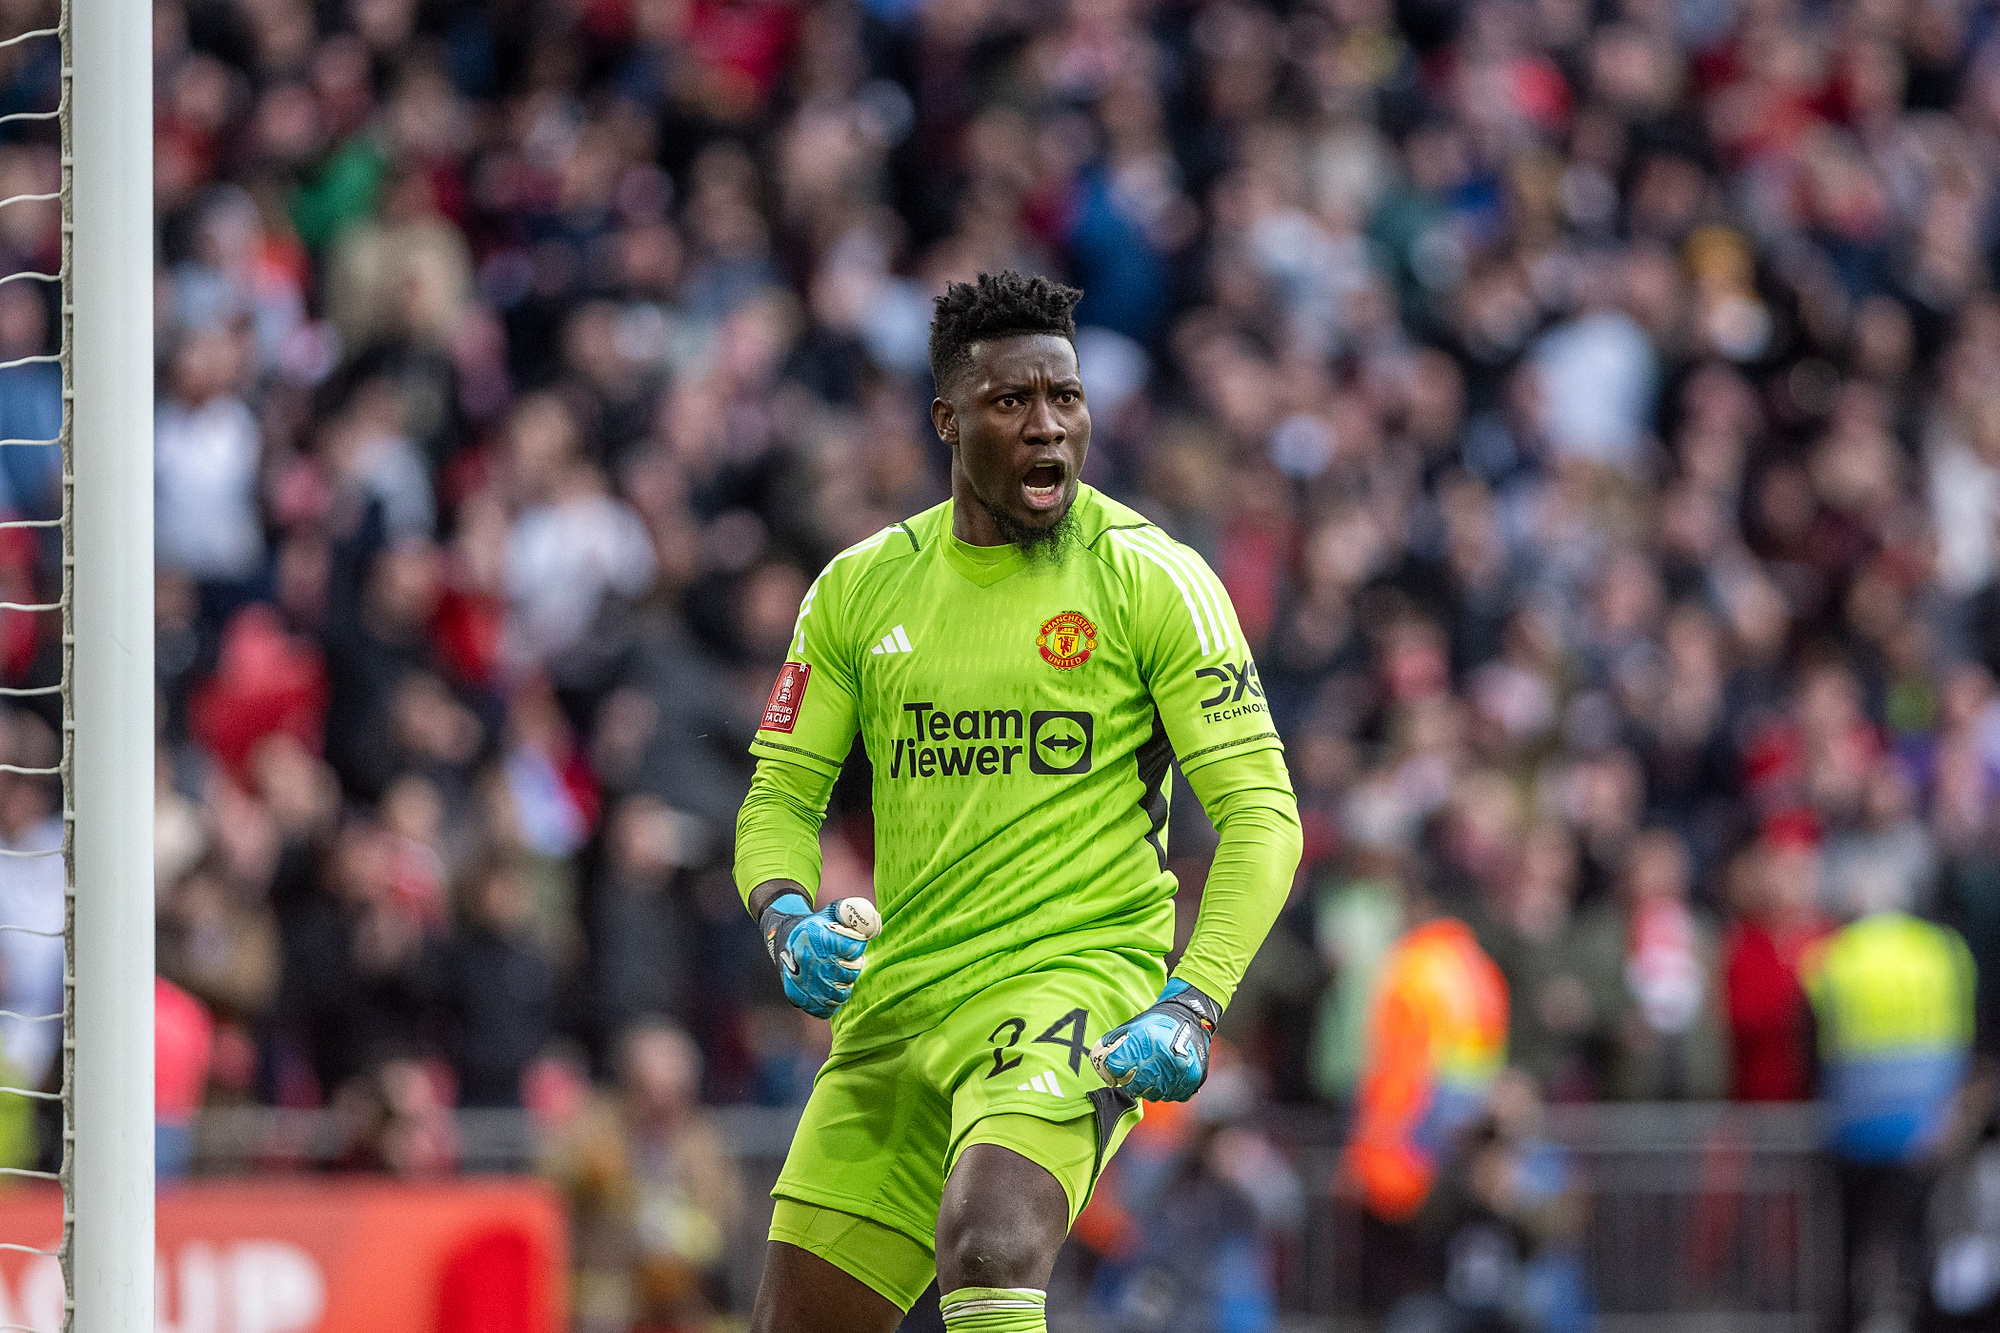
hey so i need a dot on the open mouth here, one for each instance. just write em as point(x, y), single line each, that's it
point(1043, 485)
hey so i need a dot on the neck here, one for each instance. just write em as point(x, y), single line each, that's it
point(971, 522)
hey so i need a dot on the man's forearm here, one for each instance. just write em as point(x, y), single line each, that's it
point(1250, 800)
point(777, 833)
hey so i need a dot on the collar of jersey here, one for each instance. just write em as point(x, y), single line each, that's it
point(983, 565)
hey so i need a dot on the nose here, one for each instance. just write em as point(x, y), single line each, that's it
point(1042, 425)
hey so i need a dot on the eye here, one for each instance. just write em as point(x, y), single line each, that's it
point(1008, 400)
point(1067, 396)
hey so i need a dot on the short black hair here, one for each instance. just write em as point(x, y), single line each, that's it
point(998, 305)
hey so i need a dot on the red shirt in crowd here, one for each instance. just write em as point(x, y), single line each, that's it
point(1770, 1021)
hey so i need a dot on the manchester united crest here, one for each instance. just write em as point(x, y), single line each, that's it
point(1067, 640)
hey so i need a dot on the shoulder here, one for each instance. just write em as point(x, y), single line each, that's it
point(880, 550)
point(1135, 545)
point(1167, 577)
point(842, 584)
point(1099, 517)
point(1942, 938)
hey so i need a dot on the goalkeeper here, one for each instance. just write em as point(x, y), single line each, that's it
point(1024, 663)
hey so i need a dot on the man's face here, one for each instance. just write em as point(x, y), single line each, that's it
point(1018, 430)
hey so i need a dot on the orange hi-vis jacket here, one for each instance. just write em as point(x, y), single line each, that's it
point(1437, 1041)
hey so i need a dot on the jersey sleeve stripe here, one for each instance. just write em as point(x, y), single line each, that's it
point(805, 607)
point(1218, 624)
point(1139, 548)
point(1208, 586)
point(1199, 579)
point(1163, 548)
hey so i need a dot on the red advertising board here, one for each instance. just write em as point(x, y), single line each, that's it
point(340, 1256)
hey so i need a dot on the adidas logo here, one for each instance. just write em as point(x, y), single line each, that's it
point(895, 641)
point(1044, 1082)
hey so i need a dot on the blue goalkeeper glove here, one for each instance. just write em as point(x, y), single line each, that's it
point(1162, 1055)
point(818, 953)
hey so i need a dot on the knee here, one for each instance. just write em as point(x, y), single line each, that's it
point(1000, 1223)
point(1000, 1248)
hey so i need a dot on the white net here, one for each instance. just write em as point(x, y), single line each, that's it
point(60, 770)
point(64, 342)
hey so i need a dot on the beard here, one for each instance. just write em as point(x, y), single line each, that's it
point(1042, 545)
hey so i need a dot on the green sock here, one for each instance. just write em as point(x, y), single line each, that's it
point(995, 1310)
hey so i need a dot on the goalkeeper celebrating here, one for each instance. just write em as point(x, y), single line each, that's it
point(1024, 663)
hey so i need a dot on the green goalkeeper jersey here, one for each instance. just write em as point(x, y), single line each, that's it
point(1021, 715)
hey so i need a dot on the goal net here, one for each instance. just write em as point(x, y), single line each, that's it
point(104, 765)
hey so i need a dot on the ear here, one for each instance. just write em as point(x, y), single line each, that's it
point(944, 419)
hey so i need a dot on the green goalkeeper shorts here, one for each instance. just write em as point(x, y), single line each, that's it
point(1010, 1066)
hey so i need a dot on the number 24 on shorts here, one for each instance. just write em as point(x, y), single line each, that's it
point(1066, 1032)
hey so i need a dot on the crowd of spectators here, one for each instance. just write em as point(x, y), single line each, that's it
point(1590, 408)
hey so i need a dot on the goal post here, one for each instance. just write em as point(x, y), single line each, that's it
point(108, 577)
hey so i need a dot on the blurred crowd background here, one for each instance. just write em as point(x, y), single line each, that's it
point(1592, 407)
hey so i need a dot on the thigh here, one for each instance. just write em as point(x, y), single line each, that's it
point(1014, 1062)
point(804, 1293)
point(1070, 1153)
point(871, 1144)
point(1003, 1218)
point(870, 1265)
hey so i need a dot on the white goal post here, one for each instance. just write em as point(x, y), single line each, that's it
point(108, 708)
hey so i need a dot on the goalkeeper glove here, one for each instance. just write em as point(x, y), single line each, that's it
point(1162, 1055)
point(818, 953)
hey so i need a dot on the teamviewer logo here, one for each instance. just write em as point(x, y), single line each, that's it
point(1059, 743)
